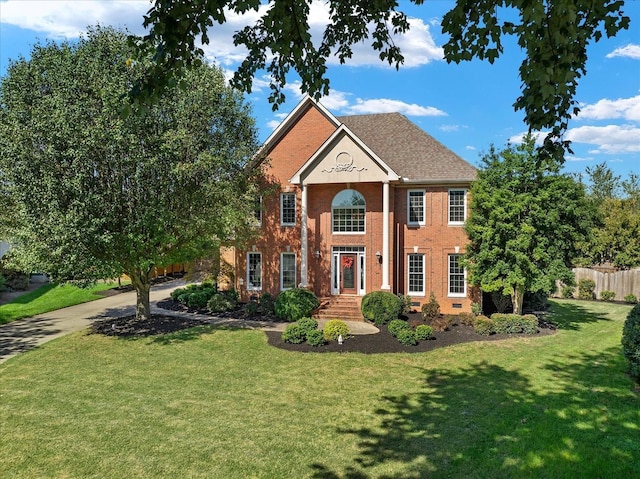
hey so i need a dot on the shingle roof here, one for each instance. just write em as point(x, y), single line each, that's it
point(408, 150)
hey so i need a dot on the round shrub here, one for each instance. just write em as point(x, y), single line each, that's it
point(407, 337)
point(483, 325)
point(220, 303)
point(295, 303)
point(585, 288)
point(251, 309)
point(380, 307)
point(397, 325)
point(631, 340)
point(567, 291)
point(607, 295)
point(267, 303)
point(315, 338)
point(335, 328)
point(308, 324)
point(294, 334)
point(423, 332)
point(198, 300)
point(631, 299)
point(176, 293)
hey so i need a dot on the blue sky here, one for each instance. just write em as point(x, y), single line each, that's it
point(467, 107)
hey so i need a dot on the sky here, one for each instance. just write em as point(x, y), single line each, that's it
point(468, 107)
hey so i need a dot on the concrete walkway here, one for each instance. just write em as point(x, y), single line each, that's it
point(28, 333)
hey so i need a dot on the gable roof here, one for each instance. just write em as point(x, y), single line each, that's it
point(412, 153)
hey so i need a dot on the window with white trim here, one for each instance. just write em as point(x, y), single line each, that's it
point(348, 212)
point(257, 211)
point(415, 207)
point(415, 278)
point(457, 276)
point(254, 271)
point(287, 271)
point(457, 206)
point(288, 209)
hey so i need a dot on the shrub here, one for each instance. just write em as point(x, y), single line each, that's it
point(397, 325)
point(177, 293)
point(335, 328)
point(198, 299)
point(308, 324)
point(219, 303)
point(294, 334)
point(407, 337)
point(194, 295)
point(631, 299)
point(267, 303)
point(585, 288)
point(251, 308)
point(315, 338)
point(567, 291)
point(442, 323)
point(295, 303)
point(476, 309)
point(232, 295)
point(631, 340)
point(514, 323)
point(431, 309)
point(483, 325)
point(380, 307)
point(607, 295)
point(406, 303)
point(424, 332)
point(467, 318)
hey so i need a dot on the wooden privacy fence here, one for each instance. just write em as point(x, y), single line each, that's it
point(620, 282)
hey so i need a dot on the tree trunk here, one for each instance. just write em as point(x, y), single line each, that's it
point(517, 298)
point(141, 281)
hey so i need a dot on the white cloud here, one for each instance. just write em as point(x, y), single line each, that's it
point(605, 109)
point(273, 124)
point(385, 105)
point(578, 158)
point(472, 148)
point(609, 139)
point(629, 51)
point(451, 128)
point(69, 18)
point(519, 138)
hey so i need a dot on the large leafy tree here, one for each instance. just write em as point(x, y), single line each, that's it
point(616, 237)
point(553, 34)
point(525, 223)
point(98, 192)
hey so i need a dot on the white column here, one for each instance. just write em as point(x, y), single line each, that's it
point(385, 236)
point(304, 277)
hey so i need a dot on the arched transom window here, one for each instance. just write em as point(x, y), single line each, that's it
point(348, 212)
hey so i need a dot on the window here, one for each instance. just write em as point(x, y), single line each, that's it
point(457, 206)
point(257, 210)
point(288, 209)
point(348, 212)
point(254, 271)
point(416, 207)
point(416, 274)
point(287, 271)
point(457, 283)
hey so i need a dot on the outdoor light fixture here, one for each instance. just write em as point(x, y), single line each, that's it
point(317, 254)
point(379, 256)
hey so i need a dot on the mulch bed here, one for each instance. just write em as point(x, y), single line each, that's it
point(381, 342)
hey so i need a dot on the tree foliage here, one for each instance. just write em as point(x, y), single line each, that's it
point(99, 193)
point(525, 222)
point(554, 36)
point(616, 237)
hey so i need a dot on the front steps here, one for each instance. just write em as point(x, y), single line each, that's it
point(345, 308)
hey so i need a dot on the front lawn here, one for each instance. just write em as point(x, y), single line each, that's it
point(49, 297)
point(215, 403)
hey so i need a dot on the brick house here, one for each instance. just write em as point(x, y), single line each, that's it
point(362, 203)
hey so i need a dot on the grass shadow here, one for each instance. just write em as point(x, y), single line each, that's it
point(570, 314)
point(486, 421)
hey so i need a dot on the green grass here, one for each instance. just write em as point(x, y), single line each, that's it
point(49, 297)
point(214, 403)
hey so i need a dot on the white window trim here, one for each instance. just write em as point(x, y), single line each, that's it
point(424, 208)
point(250, 287)
point(464, 272)
point(295, 272)
point(259, 221)
point(295, 212)
point(464, 204)
point(416, 293)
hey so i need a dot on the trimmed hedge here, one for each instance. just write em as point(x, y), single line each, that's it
point(631, 340)
point(514, 323)
point(380, 307)
point(483, 325)
point(294, 304)
point(397, 325)
point(424, 332)
point(335, 328)
point(407, 337)
point(607, 295)
point(195, 295)
point(631, 299)
point(294, 334)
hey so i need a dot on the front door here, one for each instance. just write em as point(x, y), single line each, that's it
point(348, 273)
